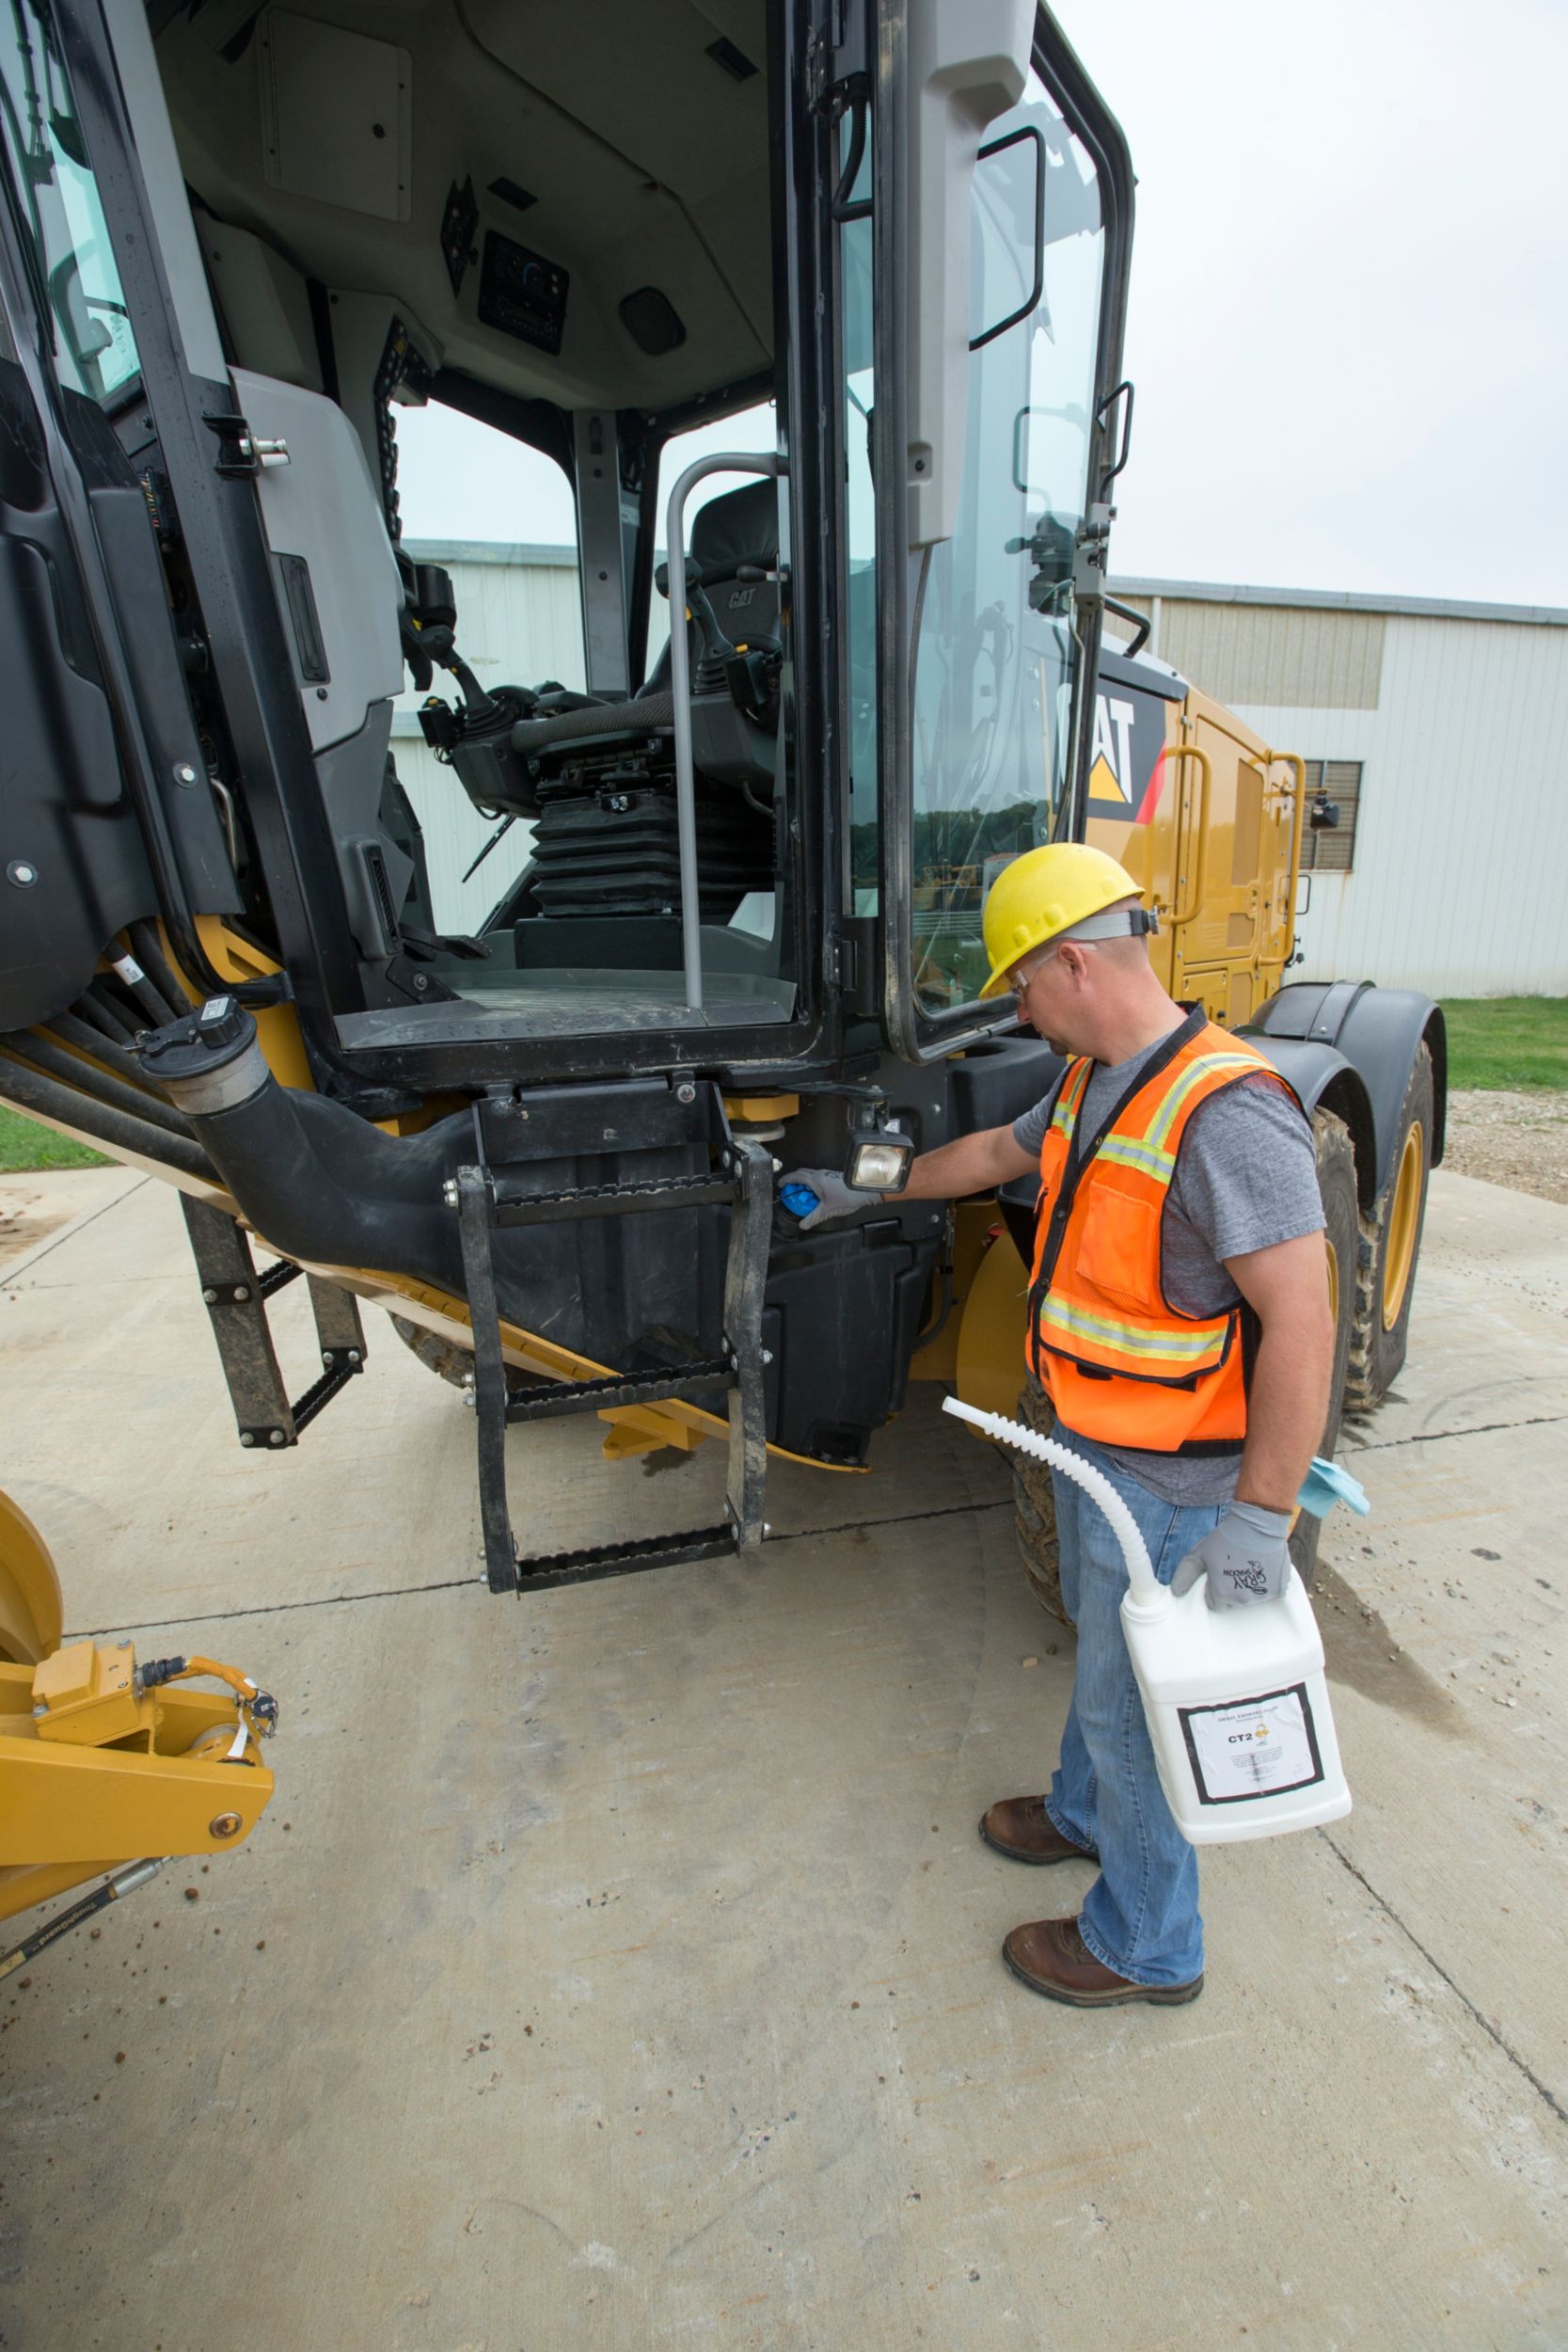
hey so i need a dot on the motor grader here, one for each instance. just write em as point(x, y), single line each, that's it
point(734, 880)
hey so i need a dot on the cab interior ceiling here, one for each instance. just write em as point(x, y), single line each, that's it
point(622, 142)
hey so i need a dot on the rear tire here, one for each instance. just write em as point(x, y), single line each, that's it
point(1034, 1504)
point(1336, 1157)
point(1390, 1245)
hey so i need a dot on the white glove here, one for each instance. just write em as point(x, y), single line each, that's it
point(834, 1198)
point(1246, 1558)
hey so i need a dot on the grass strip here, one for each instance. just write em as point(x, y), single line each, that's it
point(1507, 1042)
point(25, 1144)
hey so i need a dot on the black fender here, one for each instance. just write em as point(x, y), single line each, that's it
point(1324, 1079)
point(1372, 1036)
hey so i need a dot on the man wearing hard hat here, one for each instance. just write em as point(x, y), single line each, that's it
point(1178, 1321)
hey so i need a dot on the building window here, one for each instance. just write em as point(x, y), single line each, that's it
point(1332, 850)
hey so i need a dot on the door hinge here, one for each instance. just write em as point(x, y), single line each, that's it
point(837, 64)
point(841, 962)
point(1091, 550)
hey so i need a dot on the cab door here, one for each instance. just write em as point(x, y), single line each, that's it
point(1000, 215)
point(105, 815)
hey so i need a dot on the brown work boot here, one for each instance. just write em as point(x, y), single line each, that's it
point(1021, 1828)
point(1050, 1957)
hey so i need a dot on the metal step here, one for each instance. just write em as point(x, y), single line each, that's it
point(486, 1198)
point(638, 1388)
point(510, 1207)
point(237, 1299)
point(594, 1560)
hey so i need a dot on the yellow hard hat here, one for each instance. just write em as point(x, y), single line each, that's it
point(1042, 893)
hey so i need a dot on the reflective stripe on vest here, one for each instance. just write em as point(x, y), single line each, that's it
point(1121, 1364)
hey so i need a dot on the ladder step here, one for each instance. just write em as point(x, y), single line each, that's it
point(321, 1392)
point(743, 1184)
point(553, 1569)
point(237, 1299)
point(659, 1192)
point(636, 1387)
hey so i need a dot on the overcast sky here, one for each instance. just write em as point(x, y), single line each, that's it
point(1347, 317)
point(1347, 324)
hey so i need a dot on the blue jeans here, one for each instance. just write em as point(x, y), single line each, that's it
point(1140, 1916)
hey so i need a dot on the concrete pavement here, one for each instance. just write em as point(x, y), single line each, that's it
point(618, 1968)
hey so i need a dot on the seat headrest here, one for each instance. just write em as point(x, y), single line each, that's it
point(742, 527)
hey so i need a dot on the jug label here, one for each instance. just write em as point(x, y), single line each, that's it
point(1248, 1748)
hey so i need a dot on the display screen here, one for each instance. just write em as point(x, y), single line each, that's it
point(522, 293)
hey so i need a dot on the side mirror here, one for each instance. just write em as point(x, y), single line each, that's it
point(1325, 815)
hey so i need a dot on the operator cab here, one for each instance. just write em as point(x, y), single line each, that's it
point(574, 240)
point(723, 779)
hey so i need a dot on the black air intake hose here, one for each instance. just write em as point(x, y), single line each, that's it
point(315, 1179)
point(322, 1185)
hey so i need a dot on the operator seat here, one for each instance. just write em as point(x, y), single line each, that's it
point(740, 527)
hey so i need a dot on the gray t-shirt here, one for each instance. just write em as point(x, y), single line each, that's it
point(1246, 1177)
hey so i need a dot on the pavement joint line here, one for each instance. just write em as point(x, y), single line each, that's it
point(1494, 2032)
point(1438, 1436)
point(461, 1583)
point(277, 1607)
point(899, 1518)
point(68, 1231)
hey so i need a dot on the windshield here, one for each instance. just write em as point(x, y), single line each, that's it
point(996, 655)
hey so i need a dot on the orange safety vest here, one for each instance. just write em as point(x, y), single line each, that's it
point(1118, 1360)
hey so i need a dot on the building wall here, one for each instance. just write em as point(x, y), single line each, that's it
point(1277, 654)
point(1461, 872)
point(1461, 725)
point(519, 622)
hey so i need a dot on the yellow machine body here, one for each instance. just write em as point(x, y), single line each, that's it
point(1209, 824)
point(1210, 827)
point(96, 1771)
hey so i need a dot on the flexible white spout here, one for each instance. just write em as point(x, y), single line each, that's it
point(1147, 1591)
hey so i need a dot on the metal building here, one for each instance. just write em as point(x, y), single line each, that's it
point(1440, 730)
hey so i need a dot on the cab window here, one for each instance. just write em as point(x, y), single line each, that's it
point(76, 284)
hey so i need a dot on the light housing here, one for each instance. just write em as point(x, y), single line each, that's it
point(879, 1160)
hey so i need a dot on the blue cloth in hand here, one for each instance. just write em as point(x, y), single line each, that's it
point(1326, 1484)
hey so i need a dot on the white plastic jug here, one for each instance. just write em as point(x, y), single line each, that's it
point(1236, 1699)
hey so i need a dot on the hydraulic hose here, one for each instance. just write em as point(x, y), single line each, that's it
point(114, 1094)
point(72, 1030)
point(30, 1090)
point(104, 1017)
point(149, 955)
point(123, 1881)
point(141, 989)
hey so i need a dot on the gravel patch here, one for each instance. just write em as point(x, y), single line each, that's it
point(1516, 1140)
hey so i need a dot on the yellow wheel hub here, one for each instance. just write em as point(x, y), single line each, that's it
point(1403, 1215)
point(1331, 1255)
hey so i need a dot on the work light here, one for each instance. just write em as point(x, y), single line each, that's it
point(880, 1160)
